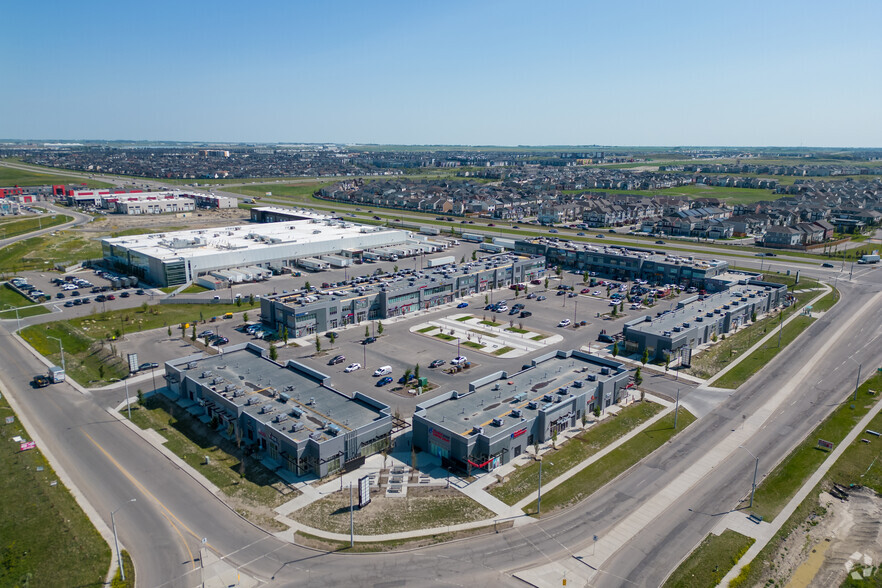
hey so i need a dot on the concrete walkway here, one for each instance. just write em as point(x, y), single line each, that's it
point(764, 532)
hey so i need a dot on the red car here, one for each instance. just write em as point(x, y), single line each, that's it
point(585, 291)
point(111, 297)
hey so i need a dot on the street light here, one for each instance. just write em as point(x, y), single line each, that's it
point(539, 496)
point(755, 469)
point(858, 382)
point(122, 571)
point(61, 345)
point(17, 317)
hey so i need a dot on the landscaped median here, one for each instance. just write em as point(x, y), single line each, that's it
point(524, 480)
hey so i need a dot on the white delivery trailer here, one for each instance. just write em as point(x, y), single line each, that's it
point(870, 258)
point(210, 282)
point(336, 260)
point(430, 230)
point(313, 264)
point(492, 248)
point(439, 261)
point(507, 243)
point(473, 237)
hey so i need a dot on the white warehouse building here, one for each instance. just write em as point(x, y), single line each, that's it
point(174, 258)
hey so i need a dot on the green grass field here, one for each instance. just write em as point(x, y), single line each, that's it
point(14, 228)
point(45, 538)
point(17, 177)
point(606, 469)
point(711, 561)
point(88, 341)
point(524, 480)
point(45, 251)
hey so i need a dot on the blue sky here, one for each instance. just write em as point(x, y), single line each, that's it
point(480, 73)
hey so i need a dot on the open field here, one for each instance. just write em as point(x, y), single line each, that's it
point(421, 508)
point(524, 480)
point(251, 489)
point(14, 228)
point(44, 252)
point(711, 561)
point(591, 479)
point(45, 538)
point(17, 177)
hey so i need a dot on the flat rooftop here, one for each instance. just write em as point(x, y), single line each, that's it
point(257, 384)
point(403, 279)
point(498, 397)
point(734, 298)
point(633, 253)
point(312, 229)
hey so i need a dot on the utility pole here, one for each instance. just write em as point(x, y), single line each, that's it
point(128, 404)
point(780, 326)
point(351, 522)
point(677, 409)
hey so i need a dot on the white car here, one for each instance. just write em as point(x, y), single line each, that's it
point(502, 308)
point(458, 360)
point(352, 367)
point(383, 371)
point(564, 323)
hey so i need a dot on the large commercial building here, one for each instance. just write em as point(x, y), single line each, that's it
point(170, 259)
point(289, 413)
point(147, 205)
point(622, 263)
point(388, 296)
point(502, 414)
point(698, 319)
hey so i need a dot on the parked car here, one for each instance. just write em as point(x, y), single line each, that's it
point(383, 371)
point(100, 298)
point(352, 367)
point(531, 296)
point(111, 297)
point(458, 360)
point(826, 265)
point(148, 366)
point(541, 298)
point(436, 363)
point(462, 305)
point(525, 314)
point(369, 340)
point(564, 323)
point(221, 341)
point(384, 381)
point(580, 234)
point(60, 295)
point(139, 292)
point(123, 294)
point(68, 304)
point(337, 359)
point(403, 380)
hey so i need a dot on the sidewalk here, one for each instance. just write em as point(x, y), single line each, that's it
point(767, 531)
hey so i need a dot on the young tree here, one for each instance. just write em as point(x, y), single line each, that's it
point(615, 311)
point(462, 260)
point(407, 373)
point(558, 271)
point(546, 283)
point(474, 255)
point(395, 268)
point(644, 359)
point(367, 331)
point(318, 344)
point(615, 349)
point(516, 292)
point(416, 371)
point(333, 337)
point(251, 300)
point(638, 377)
point(140, 397)
point(273, 352)
point(201, 318)
point(753, 317)
point(379, 327)
point(239, 301)
point(307, 286)
point(168, 330)
point(100, 371)
point(193, 333)
point(245, 316)
point(285, 334)
point(667, 361)
point(486, 300)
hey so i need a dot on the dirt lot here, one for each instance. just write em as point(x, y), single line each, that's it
point(840, 537)
point(190, 220)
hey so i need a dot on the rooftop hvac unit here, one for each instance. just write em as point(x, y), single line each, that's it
point(296, 427)
point(315, 436)
point(685, 325)
point(332, 429)
point(516, 413)
point(296, 412)
point(519, 397)
point(604, 371)
point(192, 365)
point(591, 377)
point(533, 405)
point(478, 431)
point(577, 384)
point(280, 418)
point(498, 422)
point(558, 399)
point(563, 390)
point(677, 329)
point(699, 319)
point(547, 398)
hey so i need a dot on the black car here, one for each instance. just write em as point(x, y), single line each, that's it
point(659, 242)
point(139, 292)
point(769, 254)
point(60, 295)
point(525, 314)
point(436, 363)
point(147, 366)
point(369, 340)
point(100, 298)
point(826, 265)
point(337, 359)
point(221, 341)
point(123, 294)
point(68, 304)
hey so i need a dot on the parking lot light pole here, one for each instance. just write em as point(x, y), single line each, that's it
point(122, 571)
point(755, 469)
point(61, 345)
point(17, 317)
point(858, 382)
point(128, 404)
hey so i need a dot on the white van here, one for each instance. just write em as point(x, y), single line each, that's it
point(383, 371)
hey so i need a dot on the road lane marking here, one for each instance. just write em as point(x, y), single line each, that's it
point(150, 495)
